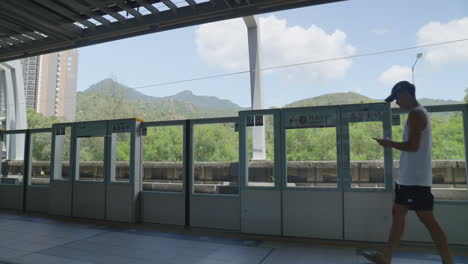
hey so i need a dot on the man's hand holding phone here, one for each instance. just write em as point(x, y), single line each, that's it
point(387, 143)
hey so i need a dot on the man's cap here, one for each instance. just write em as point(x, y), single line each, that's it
point(400, 87)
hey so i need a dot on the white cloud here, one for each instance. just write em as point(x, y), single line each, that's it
point(224, 44)
point(437, 32)
point(356, 89)
point(379, 31)
point(395, 74)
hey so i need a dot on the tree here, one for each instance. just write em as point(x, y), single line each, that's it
point(216, 142)
point(163, 144)
point(41, 142)
point(38, 120)
point(466, 95)
point(102, 107)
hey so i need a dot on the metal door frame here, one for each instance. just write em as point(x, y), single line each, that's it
point(122, 210)
point(314, 117)
point(309, 110)
point(21, 187)
point(385, 115)
point(245, 190)
point(102, 131)
point(37, 196)
point(366, 211)
point(224, 209)
point(152, 202)
point(55, 177)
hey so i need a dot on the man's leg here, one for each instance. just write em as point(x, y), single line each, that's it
point(437, 234)
point(399, 212)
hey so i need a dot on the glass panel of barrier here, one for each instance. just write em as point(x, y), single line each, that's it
point(448, 155)
point(397, 135)
point(122, 157)
point(91, 157)
point(40, 154)
point(366, 155)
point(261, 147)
point(13, 159)
point(163, 150)
point(216, 158)
point(311, 157)
point(63, 157)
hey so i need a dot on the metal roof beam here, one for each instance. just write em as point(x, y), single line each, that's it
point(103, 7)
point(192, 3)
point(185, 16)
point(128, 8)
point(45, 17)
point(21, 31)
point(66, 12)
point(31, 25)
point(148, 6)
point(14, 34)
point(33, 49)
point(228, 3)
point(20, 13)
point(86, 11)
point(10, 40)
point(5, 45)
point(170, 4)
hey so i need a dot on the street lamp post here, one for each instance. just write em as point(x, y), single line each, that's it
point(418, 56)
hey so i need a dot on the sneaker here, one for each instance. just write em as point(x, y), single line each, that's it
point(374, 257)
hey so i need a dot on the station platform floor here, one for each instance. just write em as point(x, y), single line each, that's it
point(38, 239)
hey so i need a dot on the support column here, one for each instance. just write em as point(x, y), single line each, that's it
point(256, 88)
point(15, 104)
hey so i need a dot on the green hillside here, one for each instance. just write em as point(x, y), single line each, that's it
point(111, 88)
point(109, 99)
point(355, 98)
point(204, 101)
point(98, 107)
point(333, 99)
point(428, 101)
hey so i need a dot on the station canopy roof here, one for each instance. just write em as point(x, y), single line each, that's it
point(34, 27)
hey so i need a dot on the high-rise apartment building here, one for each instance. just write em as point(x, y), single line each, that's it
point(50, 83)
point(30, 73)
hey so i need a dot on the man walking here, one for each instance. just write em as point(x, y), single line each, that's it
point(413, 186)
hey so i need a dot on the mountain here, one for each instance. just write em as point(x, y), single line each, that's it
point(355, 98)
point(111, 88)
point(108, 99)
point(428, 101)
point(333, 99)
point(204, 101)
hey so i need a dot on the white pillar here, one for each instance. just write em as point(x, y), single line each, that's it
point(19, 93)
point(256, 88)
point(15, 104)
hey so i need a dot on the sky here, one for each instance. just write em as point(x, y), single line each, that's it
point(309, 34)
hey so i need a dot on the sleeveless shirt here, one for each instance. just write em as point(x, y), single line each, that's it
point(416, 167)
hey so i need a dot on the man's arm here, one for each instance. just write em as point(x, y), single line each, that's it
point(417, 121)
